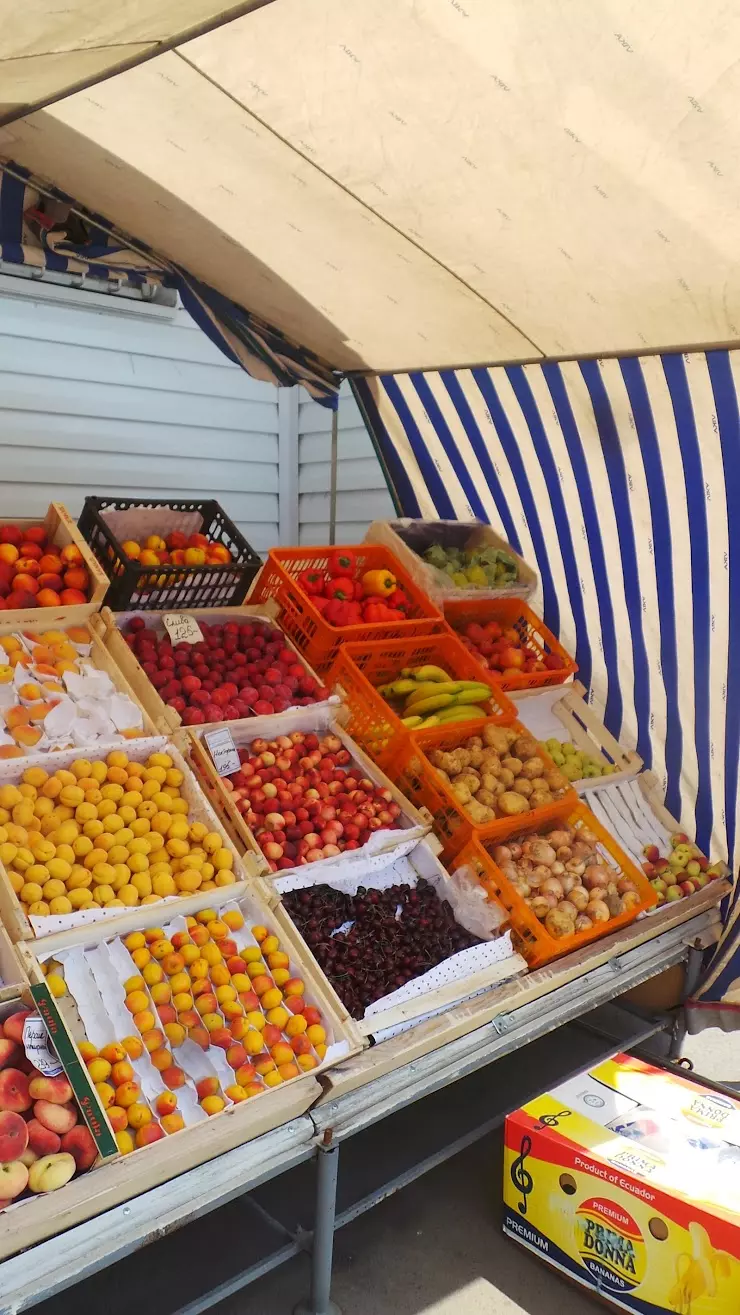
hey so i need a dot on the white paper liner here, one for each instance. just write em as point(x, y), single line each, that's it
point(139, 523)
point(625, 811)
point(392, 869)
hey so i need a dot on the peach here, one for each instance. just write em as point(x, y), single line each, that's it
point(173, 1123)
point(161, 993)
point(213, 1105)
point(48, 594)
point(13, 1179)
point(161, 1058)
point(136, 1002)
point(27, 566)
point(14, 1092)
point(72, 556)
point(150, 1133)
point(106, 1094)
point(57, 1091)
point(175, 1034)
point(9, 553)
point(221, 1037)
point(51, 563)
point(173, 963)
point(167, 1014)
point(51, 1172)
point(271, 1035)
point(173, 1077)
point(76, 578)
point(80, 1144)
point(42, 1140)
point(166, 1103)
point(236, 1055)
point(122, 1072)
point(13, 1026)
point(13, 1136)
point(11, 751)
point(201, 1037)
point(300, 1045)
point(114, 1052)
point(288, 1071)
point(59, 1118)
point(189, 1018)
point(139, 1115)
point(144, 1021)
point(9, 1052)
point(134, 1046)
point(282, 1053)
point(27, 736)
point(99, 1070)
point(127, 1094)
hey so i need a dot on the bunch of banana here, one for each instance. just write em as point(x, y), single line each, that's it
point(431, 697)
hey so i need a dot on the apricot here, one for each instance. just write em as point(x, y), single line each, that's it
point(173, 1123)
point(166, 1103)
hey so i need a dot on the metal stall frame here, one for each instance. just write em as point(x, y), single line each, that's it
point(68, 1258)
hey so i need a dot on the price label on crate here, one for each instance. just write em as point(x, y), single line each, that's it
point(38, 1047)
point(181, 628)
point(223, 751)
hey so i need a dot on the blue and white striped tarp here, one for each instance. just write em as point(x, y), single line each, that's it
point(619, 480)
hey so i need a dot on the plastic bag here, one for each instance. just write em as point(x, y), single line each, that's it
point(471, 905)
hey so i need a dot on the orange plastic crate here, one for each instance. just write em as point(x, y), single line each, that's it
point(514, 614)
point(360, 668)
point(530, 936)
point(415, 776)
point(319, 641)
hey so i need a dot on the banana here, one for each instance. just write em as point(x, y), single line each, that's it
point(428, 688)
point(429, 721)
point(460, 712)
point(430, 704)
point(480, 695)
point(400, 687)
point(430, 673)
point(410, 722)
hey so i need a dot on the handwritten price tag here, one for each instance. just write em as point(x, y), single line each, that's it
point(38, 1047)
point(181, 628)
point(223, 751)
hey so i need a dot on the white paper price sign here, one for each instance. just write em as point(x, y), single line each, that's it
point(38, 1047)
point(181, 628)
point(223, 751)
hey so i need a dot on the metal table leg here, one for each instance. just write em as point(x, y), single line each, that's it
point(322, 1250)
point(694, 966)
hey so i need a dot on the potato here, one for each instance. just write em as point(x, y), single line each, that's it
point(498, 738)
point(476, 757)
point(489, 780)
point(513, 764)
point(491, 762)
point(479, 814)
point(474, 742)
point(532, 767)
point(556, 780)
point(461, 793)
point(471, 779)
point(511, 804)
point(522, 786)
point(539, 783)
point(540, 799)
point(486, 797)
point(506, 776)
point(526, 746)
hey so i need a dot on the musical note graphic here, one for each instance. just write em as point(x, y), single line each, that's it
point(521, 1177)
point(551, 1120)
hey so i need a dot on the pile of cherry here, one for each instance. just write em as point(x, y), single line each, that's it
point(237, 670)
point(374, 942)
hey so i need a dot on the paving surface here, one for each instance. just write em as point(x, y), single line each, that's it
point(433, 1249)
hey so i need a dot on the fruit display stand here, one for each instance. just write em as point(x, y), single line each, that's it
point(13, 979)
point(61, 531)
point(454, 980)
point(94, 968)
point(320, 720)
point(361, 668)
point(62, 929)
point(108, 523)
point(400, 535)
point(303, 621)
point(561, 713)
point(110, 627)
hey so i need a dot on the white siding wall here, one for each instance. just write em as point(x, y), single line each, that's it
point(362, 494)
point(109, 397)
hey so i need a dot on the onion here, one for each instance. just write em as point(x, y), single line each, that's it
point(539, 851)
point(598, 911)
point(596, 875)
point(502, 854)
point(565, 906)
point(558, 924)
point(516, 851)
point(559, 838)
point(552, 887)
point(568, 881)
point(522, 888)
point(579, 897)
point(576, 867)
point(631, 900)
point(625, 884)
point(596, 893)
point(557, 868)
point(583, 923)
point(582, 851)
point(588, 837)
point(540, 907)
point(564, 852)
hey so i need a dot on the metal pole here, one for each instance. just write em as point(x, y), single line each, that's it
point(333, 484)
point(322, 1250)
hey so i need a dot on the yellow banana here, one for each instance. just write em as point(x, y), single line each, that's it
point(431, 704)
point(430, 673)
point(429, 721)
point(460, 712)
point(410, 722)
point(400, 687)
point(480, 695)
point(428, 688)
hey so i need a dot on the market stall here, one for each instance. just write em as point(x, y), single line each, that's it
point(388, 838)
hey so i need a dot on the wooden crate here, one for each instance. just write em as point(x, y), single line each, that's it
point(65, 928)
point(434, 582)
point(121, 1180)
point(244, 1120)
point(544, 712)
point(425, 865)
point(167, 719)
point(13, 979)
point(100, 657)
point(400, 1051)
point(61, 530)
point(322, 721)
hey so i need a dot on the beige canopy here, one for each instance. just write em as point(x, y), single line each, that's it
point(399, 184)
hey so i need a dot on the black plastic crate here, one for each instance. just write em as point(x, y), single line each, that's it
point(174, 588)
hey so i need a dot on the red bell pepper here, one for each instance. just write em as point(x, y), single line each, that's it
point(359, 590)
point(321, 602)
point(337, 612)
point(340, 587)
point(400, 599)
point(311, 582)
point(375, 610)
point(342, 562)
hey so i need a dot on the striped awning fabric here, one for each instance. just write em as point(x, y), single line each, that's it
point(42, 227)
point(619, 481)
